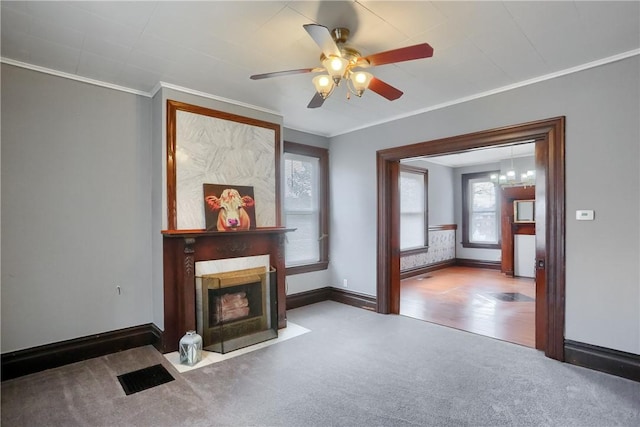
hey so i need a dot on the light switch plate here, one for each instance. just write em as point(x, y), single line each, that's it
point(584, 215)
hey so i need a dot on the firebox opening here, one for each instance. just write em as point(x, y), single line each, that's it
point(238, 309)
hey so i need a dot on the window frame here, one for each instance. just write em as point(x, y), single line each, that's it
point(425, 173)
point(322, 154)
point(466, 243)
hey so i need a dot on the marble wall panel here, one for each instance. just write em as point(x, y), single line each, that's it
point(216, 151)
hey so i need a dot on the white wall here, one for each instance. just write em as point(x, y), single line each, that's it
point(602, 107)
point(76, 203)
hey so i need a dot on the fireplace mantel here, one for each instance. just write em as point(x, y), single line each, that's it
point(183, 248)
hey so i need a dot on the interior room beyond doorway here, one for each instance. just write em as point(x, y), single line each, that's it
point(477, 300)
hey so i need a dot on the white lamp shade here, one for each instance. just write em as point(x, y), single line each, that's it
point(336, 67)
point(360, 81)
point(324, 85)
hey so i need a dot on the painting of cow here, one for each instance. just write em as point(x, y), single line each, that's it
point(229, 208)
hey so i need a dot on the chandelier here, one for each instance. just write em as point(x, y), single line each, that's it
point(508, 179)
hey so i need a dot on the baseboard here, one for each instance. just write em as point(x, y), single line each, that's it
point(330, 293)
point(619, 363)
point(427, 268)
point(354, 299)
point(23, 362)
point(307, 298)
point(476, 263)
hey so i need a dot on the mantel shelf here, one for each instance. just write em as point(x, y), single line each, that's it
point(205, 233)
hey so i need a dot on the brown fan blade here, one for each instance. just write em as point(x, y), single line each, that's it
point(285, 73)
point(408, 53)
point(384, 89)
point(316, 101)
point(321, 35)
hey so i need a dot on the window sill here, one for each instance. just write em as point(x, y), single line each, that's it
point(481, 245)
point(306, 268)
point(414, 251)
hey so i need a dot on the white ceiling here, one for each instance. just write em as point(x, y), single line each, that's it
point(480, 156)
point(213, 47)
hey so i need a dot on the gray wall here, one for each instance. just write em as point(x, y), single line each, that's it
point(440, 191)
point(76, 203)
point(81, 190)
point(602, 163)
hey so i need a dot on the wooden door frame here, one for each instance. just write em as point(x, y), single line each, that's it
point(550, 206)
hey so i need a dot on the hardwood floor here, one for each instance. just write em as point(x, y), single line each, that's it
point(470, 299)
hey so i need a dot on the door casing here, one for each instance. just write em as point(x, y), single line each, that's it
point(550, 217)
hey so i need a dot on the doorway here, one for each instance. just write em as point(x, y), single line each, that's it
point(550, 219)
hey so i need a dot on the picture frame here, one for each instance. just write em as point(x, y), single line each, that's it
point(229, 207)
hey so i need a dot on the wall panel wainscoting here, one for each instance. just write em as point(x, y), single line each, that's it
point(440, 253)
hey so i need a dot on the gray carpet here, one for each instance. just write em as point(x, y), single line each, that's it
point(355, 368)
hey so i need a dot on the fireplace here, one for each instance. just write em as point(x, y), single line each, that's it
point(236, 309)
point(183, 249)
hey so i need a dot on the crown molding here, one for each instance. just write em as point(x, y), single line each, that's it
point(165, 85)
point(160, 85)
point(73, 77)
point(588, 65)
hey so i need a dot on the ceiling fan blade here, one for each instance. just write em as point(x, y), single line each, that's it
point(285, 73)
point(321, 35)
point(316, 101)
point(408, 53)
point(384, 89)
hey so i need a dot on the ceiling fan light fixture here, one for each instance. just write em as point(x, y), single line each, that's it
point(336, 67)
point(324, 85)
point(360, 81)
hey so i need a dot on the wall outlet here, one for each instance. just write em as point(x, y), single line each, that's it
point(345, 283)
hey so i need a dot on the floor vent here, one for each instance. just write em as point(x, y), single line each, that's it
point(512, 296)
point(143, 379)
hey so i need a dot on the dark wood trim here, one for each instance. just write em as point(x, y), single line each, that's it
point(172, 108)
point(465, 178)
point(614, 362)
point(354, 299)
point(182, 249)
point(307, 298)
point(414, 251)
point(23, 362)
point(405, 274)
point(477, 263)
point(388, 234)
point(550, 221)
point(330, 293)
point(322, 154)
point(508, 226)
point(443, 227)
point(307, 268)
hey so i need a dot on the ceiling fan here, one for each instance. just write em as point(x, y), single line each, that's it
point(344, 63)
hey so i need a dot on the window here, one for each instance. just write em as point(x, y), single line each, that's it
point(306, 207)
point(413, 208)
point(480, 211)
